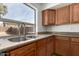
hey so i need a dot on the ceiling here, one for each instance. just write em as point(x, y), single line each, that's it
point(60, 5)
point(52, 5)
point(43, 6)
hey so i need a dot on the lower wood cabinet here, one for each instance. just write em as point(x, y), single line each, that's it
point(41, 51)
point(50, 46)
point(41, 47)
point(58, 45)
point(28, 50)
point(45, 47)
point(75, 46)
point(62, 45)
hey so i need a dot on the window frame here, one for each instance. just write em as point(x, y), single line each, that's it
point(34, 15)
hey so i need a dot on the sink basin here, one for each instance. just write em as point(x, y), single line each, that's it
point(17, 39)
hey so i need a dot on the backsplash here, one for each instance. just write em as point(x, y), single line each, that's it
point(64, 28)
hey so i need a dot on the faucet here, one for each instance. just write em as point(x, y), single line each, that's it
point(19, 29)
point(24, 31)
point(24, 34)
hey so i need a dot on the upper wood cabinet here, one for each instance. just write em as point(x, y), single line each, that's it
point(48, 17)
point(75, 13)
point(62, 45)
point(63, 15)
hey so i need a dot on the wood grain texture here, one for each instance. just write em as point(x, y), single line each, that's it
point(75, 46)
point(75, 13)
point(50, 46)
point(24, 51)
point(63, 15)
point(41, 47)
point(62, 45)
point(48, 17)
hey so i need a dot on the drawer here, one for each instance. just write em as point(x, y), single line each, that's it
point(62, 37)
point(75, 40)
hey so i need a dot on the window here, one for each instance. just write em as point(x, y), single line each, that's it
point(21, 17)
point(20, 12)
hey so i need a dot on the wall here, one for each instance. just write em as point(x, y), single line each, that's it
point(40, 28)
point(40, 7)
point(61, 28)
point(64, 28)
point(48, 5)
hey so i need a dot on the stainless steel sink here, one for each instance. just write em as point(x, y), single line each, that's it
point(24, 38)
point(17, 39)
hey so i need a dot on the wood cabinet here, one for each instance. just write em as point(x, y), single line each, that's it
point(75, 46)
point(41, 47)
point(45, 47)
point(63, 15)
point(62, 45)
point(75, 13)
point(48, 17)
point(28, 50)
point(50, 46)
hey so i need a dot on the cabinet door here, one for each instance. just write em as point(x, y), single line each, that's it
point(24, 51)
point(41, 51)
point(75, 46)
point(41, 47)
point(48, 17)
point(51, 17)
point(75, 49)
point(62, 45)
point(75, 14)
point(50, 46)
point(63, 15)
point(32, 53)
point(45, 17)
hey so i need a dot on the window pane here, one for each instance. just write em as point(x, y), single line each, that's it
point(20, 12)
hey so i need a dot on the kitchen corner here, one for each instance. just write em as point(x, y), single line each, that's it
point(42, 29)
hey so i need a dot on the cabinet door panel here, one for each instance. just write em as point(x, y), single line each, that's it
point(45, 17)
point(22, 51)
point(50, 46)
point(41, 43)
point(48, 17)
point(50, 49)
point(41, 47)
point(62, 46)
point(41, 51)
point(75, 49)
point(52, 18)
point(75, 10)
point(63, 15)
point(75, 46)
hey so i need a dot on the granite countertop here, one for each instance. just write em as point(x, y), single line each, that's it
point(5, 44)
point(68, 34)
